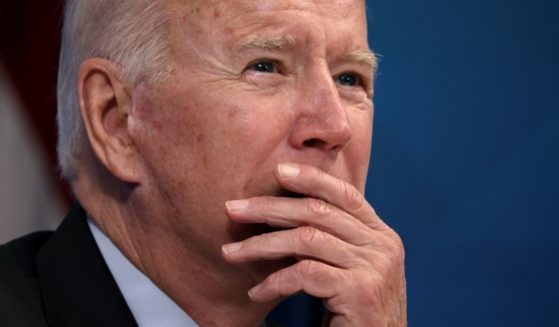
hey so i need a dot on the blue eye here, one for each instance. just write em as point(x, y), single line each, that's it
point(348, 79)
point(265, 67)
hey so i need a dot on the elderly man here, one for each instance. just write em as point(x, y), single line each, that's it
point(218, 151)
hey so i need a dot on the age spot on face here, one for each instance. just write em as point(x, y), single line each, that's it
point(200, 138)
point(217, 12)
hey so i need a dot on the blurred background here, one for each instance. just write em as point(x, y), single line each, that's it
point(465, 159)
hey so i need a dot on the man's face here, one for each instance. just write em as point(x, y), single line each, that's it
point(254, 84)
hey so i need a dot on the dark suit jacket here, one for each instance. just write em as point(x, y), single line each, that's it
point(59, 279)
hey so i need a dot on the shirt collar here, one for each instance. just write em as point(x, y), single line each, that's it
point(149, 305)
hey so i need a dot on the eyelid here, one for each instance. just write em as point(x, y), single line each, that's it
point(279, 66)
point(365, 84)
point(365, 72)
point(361, 81)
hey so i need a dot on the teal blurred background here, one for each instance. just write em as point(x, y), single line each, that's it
point(466, 157)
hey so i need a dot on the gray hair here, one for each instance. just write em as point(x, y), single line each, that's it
point(130, 33)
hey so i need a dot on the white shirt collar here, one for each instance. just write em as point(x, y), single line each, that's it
point(149, 305)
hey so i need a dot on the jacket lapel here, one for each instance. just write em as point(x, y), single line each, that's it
point(75, 282)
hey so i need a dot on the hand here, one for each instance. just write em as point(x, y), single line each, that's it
point(346, 254)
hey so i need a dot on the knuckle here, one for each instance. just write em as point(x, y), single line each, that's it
point(306, 268)
point(396, 246)
point(318, 208)
point(308, 235)
point(319, 274)
point(399, 256)
point(400, 250)
point(391, 252)
point(274, 280)
point(353, 197)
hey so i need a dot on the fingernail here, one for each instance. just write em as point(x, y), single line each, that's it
point(236, 205)
point(254, 290)
point(232, 247)
point(288, 170)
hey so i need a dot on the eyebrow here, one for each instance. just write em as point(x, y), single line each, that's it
point(365, 57)
point(265, 42)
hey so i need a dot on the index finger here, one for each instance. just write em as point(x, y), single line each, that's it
point(311, 181)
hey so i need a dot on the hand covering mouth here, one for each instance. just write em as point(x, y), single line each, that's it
point(279, 192)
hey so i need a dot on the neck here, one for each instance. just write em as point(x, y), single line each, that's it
point(213, 293)
point(210, 290)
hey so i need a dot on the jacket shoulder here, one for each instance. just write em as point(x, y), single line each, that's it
point(20, 303)
point(21, 252)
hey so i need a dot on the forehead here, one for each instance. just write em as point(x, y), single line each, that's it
point(321, 7)
point(335, 19)
point(270, 5)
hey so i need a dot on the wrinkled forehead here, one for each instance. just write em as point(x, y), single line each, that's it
point(321, 6)
point(330, 28)
point(204, 15)
point(334, 7)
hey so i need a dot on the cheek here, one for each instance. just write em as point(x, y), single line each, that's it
point(248, 129)
point(165, 134)
point(146, 124)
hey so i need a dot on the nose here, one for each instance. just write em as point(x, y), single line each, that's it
point(322, 120)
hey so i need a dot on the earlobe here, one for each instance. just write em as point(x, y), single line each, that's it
point(105, 104)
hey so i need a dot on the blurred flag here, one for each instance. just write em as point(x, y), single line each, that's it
point(31, 195)
point(28, 199)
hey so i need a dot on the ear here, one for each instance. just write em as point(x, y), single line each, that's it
point(105, 105)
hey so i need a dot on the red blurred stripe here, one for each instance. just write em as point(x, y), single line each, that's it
point(29, 46)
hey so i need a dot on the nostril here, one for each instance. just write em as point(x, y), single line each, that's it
point(312, 143)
